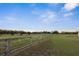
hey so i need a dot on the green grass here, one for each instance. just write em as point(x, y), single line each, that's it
point(20, 42)
point(65, 44)
point(57, 44)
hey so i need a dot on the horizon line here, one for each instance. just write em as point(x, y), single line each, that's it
point(61, 30)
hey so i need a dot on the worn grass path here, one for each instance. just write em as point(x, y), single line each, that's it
point(18, 50)
point(57, 44)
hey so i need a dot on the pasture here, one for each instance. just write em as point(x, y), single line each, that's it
point(41, 45)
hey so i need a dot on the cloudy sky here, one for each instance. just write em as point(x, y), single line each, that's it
point(37, 17)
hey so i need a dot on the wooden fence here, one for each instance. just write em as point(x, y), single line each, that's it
point(6, 48)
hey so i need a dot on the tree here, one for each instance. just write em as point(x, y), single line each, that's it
point(55, 32)
point(28, 33)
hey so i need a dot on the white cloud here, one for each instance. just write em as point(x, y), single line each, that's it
point(68, 14)
point(48, 17)
point(70, 6)
point(67, 9)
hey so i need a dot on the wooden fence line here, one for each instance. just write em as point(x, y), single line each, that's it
point(7, 46)
point(10, 52)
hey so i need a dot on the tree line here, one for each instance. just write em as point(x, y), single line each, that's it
point(12, 32)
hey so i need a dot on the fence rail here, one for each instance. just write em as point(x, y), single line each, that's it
point(7, 49)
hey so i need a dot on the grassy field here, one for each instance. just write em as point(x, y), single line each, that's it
point(65, 44)
point(54, 44)
point(17, 41)
point(57, 44)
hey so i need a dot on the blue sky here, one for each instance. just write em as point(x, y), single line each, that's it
point(40, 16)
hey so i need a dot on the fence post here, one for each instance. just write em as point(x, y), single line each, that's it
point(78, 34)
point(7, 47)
